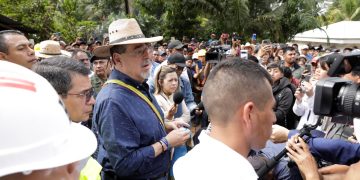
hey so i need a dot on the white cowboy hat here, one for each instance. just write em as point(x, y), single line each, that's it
point(49, 48)
point(124, 31)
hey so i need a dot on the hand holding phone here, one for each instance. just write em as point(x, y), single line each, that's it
point(306, 77)
point(266, 42)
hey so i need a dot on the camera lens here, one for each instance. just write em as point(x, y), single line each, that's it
point(349, 100)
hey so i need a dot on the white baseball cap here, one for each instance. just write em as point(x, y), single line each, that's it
point(304, 47)
point(35, 131)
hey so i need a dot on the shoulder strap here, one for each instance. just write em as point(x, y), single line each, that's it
point(141, 95)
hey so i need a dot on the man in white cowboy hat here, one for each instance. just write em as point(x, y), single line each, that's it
point(250, 48)
point(132, 133)
point(38, 141)
point(16, 48)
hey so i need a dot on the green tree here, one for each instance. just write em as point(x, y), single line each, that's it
point(72, 18)
point(348, 10)
point(38, 15)
point(278, 20)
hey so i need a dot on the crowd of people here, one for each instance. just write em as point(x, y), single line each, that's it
point(216, 109)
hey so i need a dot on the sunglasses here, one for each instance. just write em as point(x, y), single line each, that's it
point(88, 94)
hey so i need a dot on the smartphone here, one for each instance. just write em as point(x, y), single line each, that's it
point(244, 54)
point(266, 42)
point(305, 77)
point(253, 37)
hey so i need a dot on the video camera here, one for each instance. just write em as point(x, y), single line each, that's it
point(216, 52)
point(335, 96)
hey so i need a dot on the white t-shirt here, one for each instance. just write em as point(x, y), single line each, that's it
point(211, 159)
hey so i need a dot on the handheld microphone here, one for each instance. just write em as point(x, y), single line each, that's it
point(200, 106)
point(178, 97)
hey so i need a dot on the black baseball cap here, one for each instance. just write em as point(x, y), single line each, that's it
point(177, 59)
point(175, 44)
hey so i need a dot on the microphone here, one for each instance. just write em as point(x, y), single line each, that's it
point(178, 97)
point(200, 106)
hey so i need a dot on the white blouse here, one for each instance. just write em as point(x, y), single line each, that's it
point(166, 103)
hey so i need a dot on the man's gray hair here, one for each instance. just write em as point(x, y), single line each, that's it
point(231, 84)
point(120, 49)
point(74, 52)
point(59, 71)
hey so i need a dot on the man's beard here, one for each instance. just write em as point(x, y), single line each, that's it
point(146, 74)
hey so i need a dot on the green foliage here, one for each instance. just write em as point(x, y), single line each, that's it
point(341, 10)
point(35, 14)
point(278, 20)
point(72, 18)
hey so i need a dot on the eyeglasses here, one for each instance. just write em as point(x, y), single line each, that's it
point(140, 51)
point(88, 94)
point(156, 54)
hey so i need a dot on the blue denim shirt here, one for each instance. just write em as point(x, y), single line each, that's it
point(333, 150)
point(126, 128)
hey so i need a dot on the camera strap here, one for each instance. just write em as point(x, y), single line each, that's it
point(141, 95)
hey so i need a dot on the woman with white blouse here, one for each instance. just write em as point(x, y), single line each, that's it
point(166, 84)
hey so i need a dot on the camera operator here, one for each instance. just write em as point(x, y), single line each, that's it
point(327, 149)
point(331, 129)
point(304, 96)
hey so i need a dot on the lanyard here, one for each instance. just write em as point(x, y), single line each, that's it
point(141, 95)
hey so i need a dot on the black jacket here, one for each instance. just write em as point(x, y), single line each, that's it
point(284, 98)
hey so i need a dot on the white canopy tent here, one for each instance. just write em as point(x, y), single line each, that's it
point(341, 34)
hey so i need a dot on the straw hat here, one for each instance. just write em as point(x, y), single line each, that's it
point(49, 48)
point(201, 52)
point(248, 45)
point(124, 31)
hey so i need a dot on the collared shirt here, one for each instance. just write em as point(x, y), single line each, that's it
point(211, 159)
point(126, 128)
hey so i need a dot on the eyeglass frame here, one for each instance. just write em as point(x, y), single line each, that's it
point(88, 94)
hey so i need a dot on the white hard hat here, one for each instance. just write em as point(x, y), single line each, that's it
point(35, 131)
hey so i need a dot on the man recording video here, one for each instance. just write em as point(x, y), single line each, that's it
point(331, 98)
